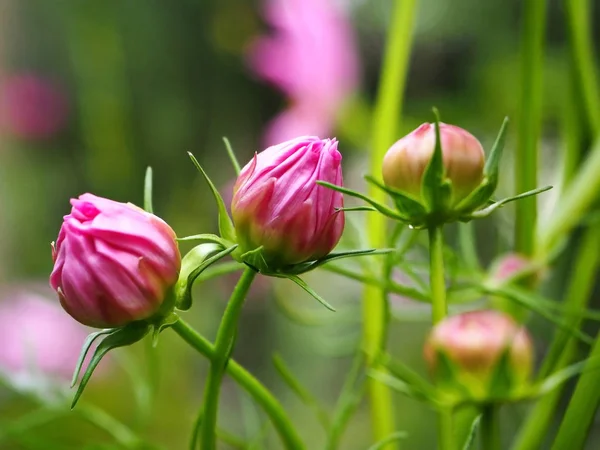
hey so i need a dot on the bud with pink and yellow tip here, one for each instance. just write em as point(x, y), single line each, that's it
point(480, 356)
point(114, 263)
point(281, 215)
point(463, 159)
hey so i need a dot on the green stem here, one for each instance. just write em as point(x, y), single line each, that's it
point(580, 413)
point(439, 310)
point(564, 346)
point(224, 344)
point(121, 433)
point(490, 428)
point(526, 160)
point(436, 274)
point(579, 20)
point(385, 120)
point(247, 381)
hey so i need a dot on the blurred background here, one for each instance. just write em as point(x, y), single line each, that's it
point(91, 93)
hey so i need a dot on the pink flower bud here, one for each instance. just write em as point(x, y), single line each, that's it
point(278, 205)
point(405, 162)
point(113, 262)
point(474, 343)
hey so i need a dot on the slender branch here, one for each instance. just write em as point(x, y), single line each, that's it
point(224, 344)
point(247, 381)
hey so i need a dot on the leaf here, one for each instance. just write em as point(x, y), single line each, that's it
point(305, 267)
point(192, 265)
point(529, 300)
point(126, 335)
point(396, 436)
point(408, 207)
point(89, 340)
point(225, 225)
point(501, 382)
point(396, 384)
point(472, 432)
point(477, 198)
point(232, 157)
point(148, 190)
point(409, 376)
point(300, 282)
point(563, 375)
point(433, 179)
point(487, 211)
point(492, 164)
point(378, 206)
point(356, 208)
point(307, 398)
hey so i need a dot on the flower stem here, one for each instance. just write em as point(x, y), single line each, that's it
point(439, 310)
point(580, 413)
point(490, 428)
point(385, 120)
point(224, 344)
point(247, 381)
point(436, 274)
point(564, 345)
point(529, 122)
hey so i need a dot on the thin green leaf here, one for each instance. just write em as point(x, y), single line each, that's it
point(408, 207)
point(487, 211)
point(563, 375)
point(225, 225)
point(409, 376)
point(303, 268)
point(148, 191)
point(398, 435)
point(472, 432)
point(127, 335)
point(492, 163)
point(396, 384)
point(294, 384)
point(232, 157)
point(530, 301)
point(356, 208)
point(378, 206)
point(89, 340)
point(206, 237)
point(300, 282)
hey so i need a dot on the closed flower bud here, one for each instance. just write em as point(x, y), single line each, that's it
point(278, 206)
point(476, 345)
point(405, 162)
point(113, 262)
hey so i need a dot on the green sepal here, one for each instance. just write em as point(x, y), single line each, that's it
point(480, 196)
point(148, 190)
point(234, 161)
point(389, 212)
point(225, 224)
point(255, 259)
point(356, 209)
point(407, 206)
point(490, 209)
point(492, 163)
point(89, 340)
point(502, 381)
point(165, 323)
point(120, 337)
point(299, 269)
point(192, 265)
point(207, 237)
point(300, 282)
point(434, 189)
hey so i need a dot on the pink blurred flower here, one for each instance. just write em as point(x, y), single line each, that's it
point(114, 262)
point(37, 337)
point(312, 58)
point(278, 206)
point(509, 266)
point(31, 107)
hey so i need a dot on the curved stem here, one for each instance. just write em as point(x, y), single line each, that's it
point(247, 381)
point(490, 428)
point(224, 344)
